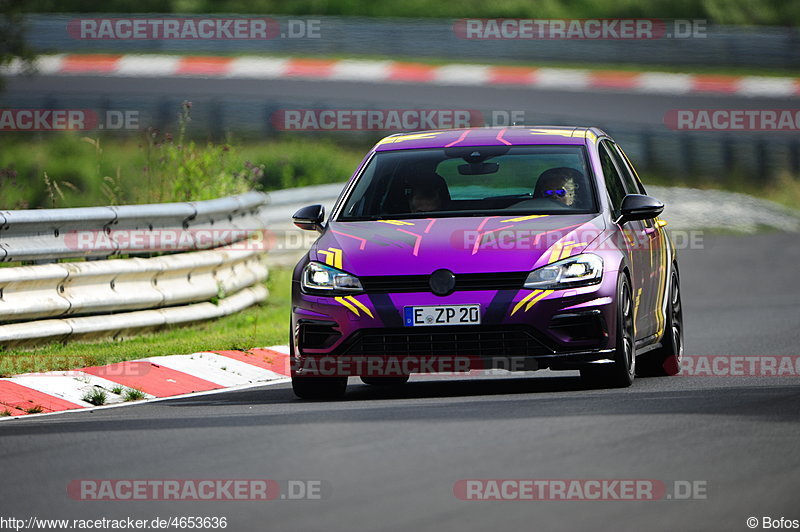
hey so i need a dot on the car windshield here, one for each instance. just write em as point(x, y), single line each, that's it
point(472, 181)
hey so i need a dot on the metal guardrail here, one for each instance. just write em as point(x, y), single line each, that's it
point(120, 295)
point(759, 46)
point(37, 234)
point(128, 323)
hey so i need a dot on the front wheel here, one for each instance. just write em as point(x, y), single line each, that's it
point(620, 373)
point(313, 387)
point(319, 387)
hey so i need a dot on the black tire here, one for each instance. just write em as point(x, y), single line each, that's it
point(620, 374)
point(666, 360)
point(311, 387)
point(385, 381)
point(319, 387)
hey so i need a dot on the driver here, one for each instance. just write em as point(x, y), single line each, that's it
point(425, 197)
point(425, 190)
point(559, 184)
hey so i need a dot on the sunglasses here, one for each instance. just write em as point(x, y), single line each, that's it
point(560, 192)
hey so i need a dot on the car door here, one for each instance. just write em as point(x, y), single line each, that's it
point(655, 240)
point(633, 235)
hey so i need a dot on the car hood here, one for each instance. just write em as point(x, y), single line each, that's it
point(462, 245)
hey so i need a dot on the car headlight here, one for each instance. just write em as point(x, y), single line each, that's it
point(580, 270)
point(321, 278)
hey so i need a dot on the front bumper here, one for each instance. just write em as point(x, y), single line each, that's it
point(521, 330)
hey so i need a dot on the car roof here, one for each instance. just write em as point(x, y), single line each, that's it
point(490, 136)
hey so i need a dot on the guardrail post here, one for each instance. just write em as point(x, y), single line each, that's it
point(762, 160)
point(794, 157)
point(687, 153)
point(728, 155)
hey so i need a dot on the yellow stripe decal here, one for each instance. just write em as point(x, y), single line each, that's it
point(665, 283)
point(413, 136)
point(344, 302)
point(536, 299)
point(523, 301)
point(554, 132)
point(562, 250)
point(530, 300)
point(395, 222)
point(636, 305)
point(360, 305)
point(567, 249)
point(328, 256)
point(524, 218)
point(556, 252)
point(333, 257)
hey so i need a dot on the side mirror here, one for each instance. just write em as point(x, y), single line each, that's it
point(310, 218)
point(639, 207)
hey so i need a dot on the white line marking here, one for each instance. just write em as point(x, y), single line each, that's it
point(351, 70)
point(462, 75)
point(561, 78)
point(257, 68)
point(147, 66)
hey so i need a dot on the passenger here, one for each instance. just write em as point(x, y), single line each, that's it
point(559, 184)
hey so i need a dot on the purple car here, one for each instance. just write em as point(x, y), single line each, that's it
point(464, 250)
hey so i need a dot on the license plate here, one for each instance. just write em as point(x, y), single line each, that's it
point(442, 315)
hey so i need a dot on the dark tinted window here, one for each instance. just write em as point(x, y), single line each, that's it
point(632, 183)
point(470, 181)
point(616, 190)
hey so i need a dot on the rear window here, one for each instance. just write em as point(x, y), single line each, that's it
point(472, 181)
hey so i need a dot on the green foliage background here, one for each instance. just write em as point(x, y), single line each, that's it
point(747, 12)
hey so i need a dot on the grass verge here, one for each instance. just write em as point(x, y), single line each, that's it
point(70, 170)
point(258, 326)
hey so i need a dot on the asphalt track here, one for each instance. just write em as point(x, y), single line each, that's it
point(586, 106)
point(389, 460)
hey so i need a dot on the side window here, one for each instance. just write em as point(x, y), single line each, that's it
point(616, 190)
point(632, 183)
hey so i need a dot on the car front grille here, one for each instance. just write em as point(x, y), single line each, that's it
point(459, 340)
point(382, 284)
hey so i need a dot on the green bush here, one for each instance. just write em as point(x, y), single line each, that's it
point(747, 12)
point(182, 170)
point(298, 162)
point(71, 170)
point(95, 396)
